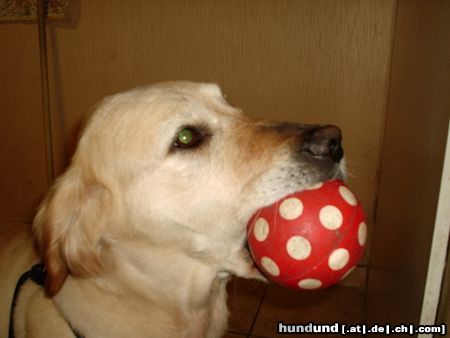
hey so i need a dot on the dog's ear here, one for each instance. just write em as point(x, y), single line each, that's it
point(69, 227)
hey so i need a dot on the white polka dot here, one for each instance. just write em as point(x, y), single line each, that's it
point(261, 229)
point(298, 247)
point(362, 234)
point(309, 283)
point(347, 195)
point(330, 217)
point(270, 266)
point(316, 186)
point(338, 259)
point(291, 208)
point(349, 271)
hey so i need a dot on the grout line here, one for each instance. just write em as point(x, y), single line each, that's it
point(257, 311)
point(237, 333)
point(15, 220)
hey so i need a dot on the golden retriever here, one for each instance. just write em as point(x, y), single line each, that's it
point(142, 232)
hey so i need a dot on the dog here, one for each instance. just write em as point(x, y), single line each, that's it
point(142, 232)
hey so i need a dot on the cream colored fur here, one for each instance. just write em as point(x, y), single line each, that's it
point(140, 238)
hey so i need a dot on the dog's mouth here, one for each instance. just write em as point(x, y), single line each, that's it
point(249, 256)
point(338, 172)
point(247, 248)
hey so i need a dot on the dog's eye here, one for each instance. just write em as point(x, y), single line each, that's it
point(188, 137)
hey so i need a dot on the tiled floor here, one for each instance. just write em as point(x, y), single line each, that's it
point(256, 308)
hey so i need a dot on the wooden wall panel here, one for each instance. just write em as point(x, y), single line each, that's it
point(315, 61)
point(304, 61)
point(22, 165)
point(413, 152)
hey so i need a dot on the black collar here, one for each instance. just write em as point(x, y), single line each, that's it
point(37, 274)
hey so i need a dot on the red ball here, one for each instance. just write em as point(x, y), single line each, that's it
point(311, 239)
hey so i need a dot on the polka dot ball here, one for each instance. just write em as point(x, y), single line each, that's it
point(311, 239)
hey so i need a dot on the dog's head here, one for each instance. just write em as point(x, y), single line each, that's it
point(175, 165)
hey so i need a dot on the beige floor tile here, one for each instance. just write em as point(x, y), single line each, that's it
point(233, 335)
point(336, 304)
point(357, 279)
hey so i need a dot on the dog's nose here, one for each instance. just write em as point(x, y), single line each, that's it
point(324, 142)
